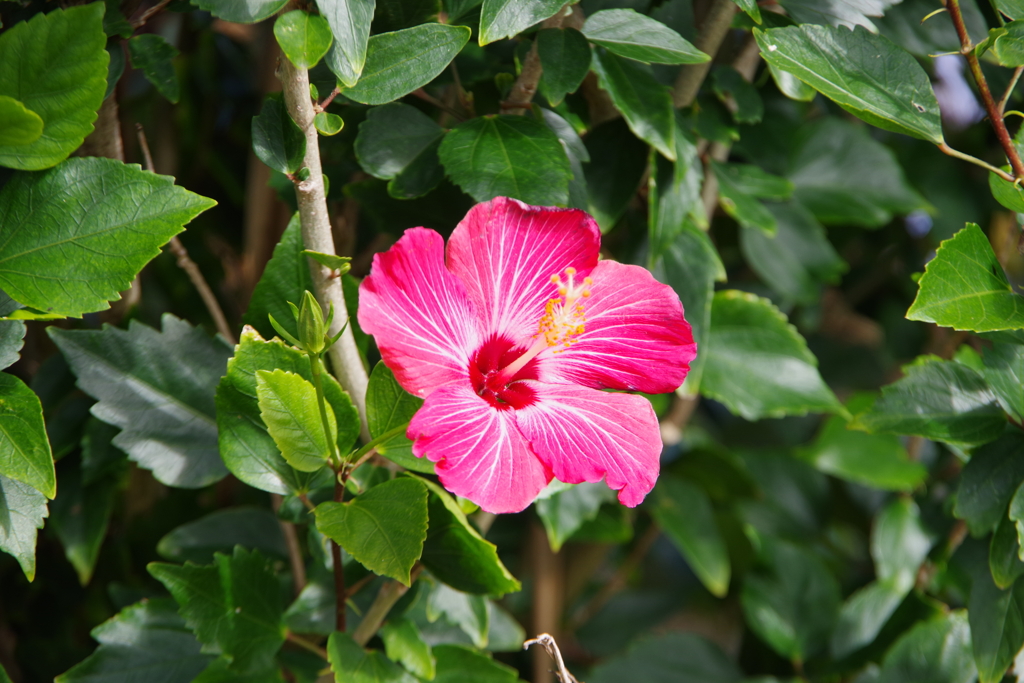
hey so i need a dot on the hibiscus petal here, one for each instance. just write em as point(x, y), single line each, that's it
point(586, 435)
point(635, 338)
point(480, 452)
point(506, 252)
point(419, 313)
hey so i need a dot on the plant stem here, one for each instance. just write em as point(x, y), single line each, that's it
point(1001, 105)
point(346, 362)
point(946, 149)
point(994, 113)
point(360, 456)
point(712, 32)
point(389, 594)
point(315, 366)
point(292, 543)
point(305, 644)
point(339, 568)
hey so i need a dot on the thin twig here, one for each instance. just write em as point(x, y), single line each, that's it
point(994, 114)
point(1001, 105)
point(549, 644)
point(186, 263)
point(339, 569)
point(322, 104)
point(141, 21)
point(291, 541)
point(946, 149)
point(525, 86)
point(712, 32)
point(427, 97)
point(389, 594)
point(305, 644)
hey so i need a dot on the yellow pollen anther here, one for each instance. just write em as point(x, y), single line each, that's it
point(564, 318)
point(570, 271)
point(555, 279)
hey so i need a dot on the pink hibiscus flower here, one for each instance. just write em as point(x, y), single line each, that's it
point(510, 340)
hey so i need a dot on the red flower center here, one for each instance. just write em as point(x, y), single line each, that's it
point(490, 383)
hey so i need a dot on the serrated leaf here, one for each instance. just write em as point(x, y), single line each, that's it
point(289, 409)
point(145, 641)
point(350, 23)
point(18, 125)
point(389, 406)
point(1004, 372)
point(505, 18)
point(167, 416)
point(564, 510)
point(673, 656)
point(988, 483)
point(233, 605)
point(241, 11)
point(22, 511)
point(684, 511)
point(630, 34)
point(304, 38)
point(757, 364)
point(644, 102)
point(277, 140)
point(352, 664)
point(399, 143)
point(221, 531)
point(456, 664)
point(24, 449)
point(965, 288)
point(95, 220)
point(936, 399)
point(565, 59)
point(55, 64)
point(868, 75)
point(383, 529)
point(402, 61)
point(246, 447)
point(154, 55)
point(510, 156)
point(404, 643)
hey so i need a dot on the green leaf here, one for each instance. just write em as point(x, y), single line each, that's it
point(399, 143)
point(751, 180)
point(1004, 554)
point(798, 259)
point(630, 34)
point(342, 264)
point(564, 508)
point(1008, 47)
point(965, 288)
point(221, 531)
point(404, 643)
point(234, 605)
point(505, 18)
point(328, 124)
point(458, 664)
point(276, 139)
point(383, 529)
point(246, 447)
point(96, 220)
point(863, 615)
point(565, 59)
point(937, 651)
point(644, 102)
point(900, 543)
point(868, 75)
point(730, 86)
point(876, 460)
point(757, 364)
point(684, 511)
point(455, 553)
point(22, 511)
point(154, 55)
point(789, 85)
point(289, 408)
point(284, 279)
point(304, 38)
point(791, 600)
point(997, 626)
point(402, 61)
point(352, 664)
point(468, 612)
point(1004, 372)
point(936, 399)
point(55, 64)
point(388, 407)
point(671, 657)
point(12, 333)
point(241, 11)
point(24, 449)
point(167, 416)
point(511, 156)
point(988, 482)
point(146, 641)
point(1006, 193)
point(349, 21)
point(618, 162)
point(848, 13)
point(18, 124)
point(740, 204)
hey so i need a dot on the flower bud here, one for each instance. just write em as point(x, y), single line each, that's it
point(311, 324)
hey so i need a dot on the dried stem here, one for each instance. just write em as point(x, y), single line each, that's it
point(548, 594)
point(186, 263)
point(141, 21)
point(427, 97)
point(525, 86)
point(712, 32)
point(549, 644)
point(389, 594)
point(994, 113)
point(1001, 105)
point(346, 362)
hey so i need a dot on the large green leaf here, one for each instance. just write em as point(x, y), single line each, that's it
point(221, 531)
point(936, 399)
point(147, 641)
point(757, 364)
point(21, 126)
point(277, 140)
point(352, 664)
point(1004, 554)
point(304, 38)
point(933, 651)
point(997, 626)
point(866, 74)
point(234, 605)
point(399, 143)
point(22, 511)
point(630, 34)
point(96, 221)
point(848, 13)
point(1004, 371)
point(900, 543)
point(167, 416)
point(644, 102)
point(12, 332)
point(684, 511)
point(735, 91)
point(740, 203)
point(863, 615)
point(383, 529)
point(154, 55)
point(671, 657)
point(988, 482)
point(55, 64)
point(468, 612)
point(246, 447)
point(404, 643)
point(290, 410)
point(398, 63)
point(565, 58)
point(388, 408)
point(965, 288)
point(618, 162)
point(564, 508)
point(511, 156)
point(285, 278)
point(505, 18)
point(24, 449)
point(241, 11)
point(350, 23)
